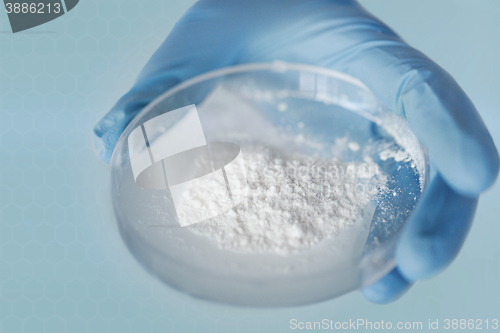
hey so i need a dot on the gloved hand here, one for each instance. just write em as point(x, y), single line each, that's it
point(341, 35)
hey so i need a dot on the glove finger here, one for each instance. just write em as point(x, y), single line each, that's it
point(435, 232)
point(437, 110)
point(387, 289)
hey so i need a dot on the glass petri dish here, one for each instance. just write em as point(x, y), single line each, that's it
point(295, 109)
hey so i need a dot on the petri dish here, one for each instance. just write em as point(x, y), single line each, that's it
point(295, 109)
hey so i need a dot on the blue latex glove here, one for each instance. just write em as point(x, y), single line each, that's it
point(341, 35)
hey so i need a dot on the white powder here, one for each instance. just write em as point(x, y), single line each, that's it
point(293, 202)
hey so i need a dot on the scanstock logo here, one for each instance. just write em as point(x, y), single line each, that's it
point(27, 14)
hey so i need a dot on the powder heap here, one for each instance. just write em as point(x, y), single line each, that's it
point(293, 202)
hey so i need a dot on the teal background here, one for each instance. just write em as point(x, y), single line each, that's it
point(63, 266)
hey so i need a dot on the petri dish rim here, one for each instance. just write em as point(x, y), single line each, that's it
point(277, 67)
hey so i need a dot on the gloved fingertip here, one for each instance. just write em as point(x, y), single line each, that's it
point(426, 256)
point(388, 289)
point(108, 130)
point(103, 152)
point(485, 166)
point(418, 262)
point(435, 232)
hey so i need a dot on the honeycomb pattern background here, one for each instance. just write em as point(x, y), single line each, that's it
point(63, 266)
